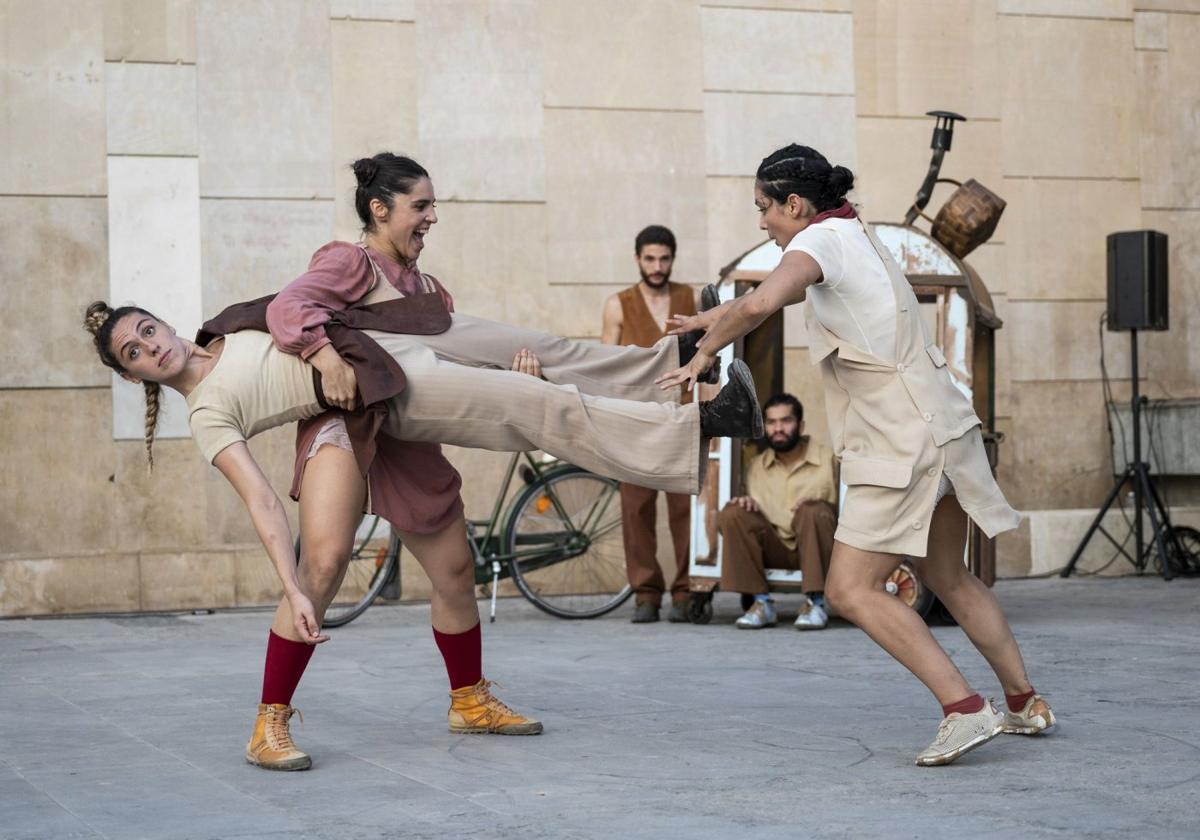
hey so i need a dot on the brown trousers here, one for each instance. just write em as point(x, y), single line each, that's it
point(751, 546)
point(639, 515)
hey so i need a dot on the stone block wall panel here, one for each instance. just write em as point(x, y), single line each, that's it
point(1111, 9)
point(151, 109)
point(636, 54)
point(57, 496)
point(101, 582)
point(732, 221)
point(736, 40)
point(154, 262)
point(52, 121)
point(462, 252)
point(1168, 89)
point(609, 174)
point(255, 247)
point(1170, 360)
point(187, 580)
point(826, 123)
point(1069, 97)
point(54, 253)
point(1058, 229)
point(161, 31)
point(480, 99)
point(375, 10)
point(159, 509)
point(265, 104)
point(374, 103)
point(917, 56)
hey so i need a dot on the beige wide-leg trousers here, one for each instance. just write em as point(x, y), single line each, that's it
point(600, 410)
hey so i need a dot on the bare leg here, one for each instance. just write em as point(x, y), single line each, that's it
point(331, 506)
point(972, 604)
point(855, 588)
point(447, 560)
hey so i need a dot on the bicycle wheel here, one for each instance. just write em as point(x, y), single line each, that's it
point(574, 567)
point(373, 562)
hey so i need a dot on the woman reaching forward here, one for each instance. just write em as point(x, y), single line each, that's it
point(911, 453)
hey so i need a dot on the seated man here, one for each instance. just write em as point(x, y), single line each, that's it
point(786, 519)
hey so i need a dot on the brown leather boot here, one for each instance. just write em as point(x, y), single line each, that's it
point(271, 744)
point(475, 710)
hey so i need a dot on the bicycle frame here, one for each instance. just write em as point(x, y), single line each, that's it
point(491, 565)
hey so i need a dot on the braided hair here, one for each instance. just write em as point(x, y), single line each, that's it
point(381, 177)
point(803, 171)
point(99, 320)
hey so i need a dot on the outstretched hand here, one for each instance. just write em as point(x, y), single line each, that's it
point(687, 375)
point(304, 619)
point(526, 362)
point(680, 324)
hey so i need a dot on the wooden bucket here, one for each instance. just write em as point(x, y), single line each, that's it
point(968, 218)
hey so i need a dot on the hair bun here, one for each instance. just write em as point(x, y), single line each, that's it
point(840, 181)
point(96, 316)
point(365, 170)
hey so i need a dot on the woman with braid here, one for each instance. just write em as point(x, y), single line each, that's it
point(237, 383)
point(911, 453)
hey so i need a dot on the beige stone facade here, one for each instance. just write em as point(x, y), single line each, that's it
point(190, 153)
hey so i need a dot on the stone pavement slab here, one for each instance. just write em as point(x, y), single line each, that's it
point(134, 727)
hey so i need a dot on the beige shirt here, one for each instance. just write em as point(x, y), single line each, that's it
point(252, 388)
point(777, 487)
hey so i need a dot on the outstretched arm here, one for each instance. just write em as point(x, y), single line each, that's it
point(266, 512)
point(788, 283)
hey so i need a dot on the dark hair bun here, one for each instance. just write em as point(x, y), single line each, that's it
point(840, 182)
point(365, 170)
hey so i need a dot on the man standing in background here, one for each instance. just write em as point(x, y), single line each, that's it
point(638, 315)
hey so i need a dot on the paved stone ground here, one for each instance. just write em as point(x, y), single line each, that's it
point(134, 728)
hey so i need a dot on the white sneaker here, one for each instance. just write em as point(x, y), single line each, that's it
point(958, 734)
point(1034, 719)
point(761, 615)
point(812, 616)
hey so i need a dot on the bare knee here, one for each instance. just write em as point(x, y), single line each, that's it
point(320, 568)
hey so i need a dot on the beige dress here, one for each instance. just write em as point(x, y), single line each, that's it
point(898, 427)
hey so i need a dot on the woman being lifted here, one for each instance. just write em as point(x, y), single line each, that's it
point(911, 452)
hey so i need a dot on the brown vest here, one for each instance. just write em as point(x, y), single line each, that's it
point(638, 326)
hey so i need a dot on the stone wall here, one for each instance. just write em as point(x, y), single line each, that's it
point(189, 153)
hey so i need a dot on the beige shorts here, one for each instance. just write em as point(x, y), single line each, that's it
point(895, 519)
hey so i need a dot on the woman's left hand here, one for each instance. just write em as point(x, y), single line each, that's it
point(688, 374)
point(526, 362)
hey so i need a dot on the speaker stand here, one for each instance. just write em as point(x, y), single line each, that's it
point(1145, 498)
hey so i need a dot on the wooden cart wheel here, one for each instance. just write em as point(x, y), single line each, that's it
point(905, 585)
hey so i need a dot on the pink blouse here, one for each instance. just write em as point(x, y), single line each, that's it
point(411, 484)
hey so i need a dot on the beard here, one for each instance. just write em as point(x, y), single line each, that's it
point(787, 444)
point(655, 281)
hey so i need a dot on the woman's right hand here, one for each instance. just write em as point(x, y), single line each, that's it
point(304, 619)
point(680, 324)
point(338, 381)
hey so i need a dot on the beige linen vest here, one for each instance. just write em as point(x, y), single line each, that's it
point(889, 421)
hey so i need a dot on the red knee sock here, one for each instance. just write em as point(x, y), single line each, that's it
point(463, 653)
point(966, 706)
point(286, 661)
point(1016, 702)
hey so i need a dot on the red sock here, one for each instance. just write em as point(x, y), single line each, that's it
point(463, 653)
point(286, 661)
point(1016, 702)
point(966, 706)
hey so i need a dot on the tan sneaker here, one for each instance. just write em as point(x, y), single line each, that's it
point(271, 744)
point(958, 734)
point(475, 709)
point(1033, 719)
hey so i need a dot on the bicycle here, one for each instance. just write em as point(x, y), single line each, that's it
point(560, 544)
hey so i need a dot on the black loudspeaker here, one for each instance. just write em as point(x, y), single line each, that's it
point(1137, 280)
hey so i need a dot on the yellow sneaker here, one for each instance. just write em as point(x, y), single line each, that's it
point(475, 709)
point(271, 744)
